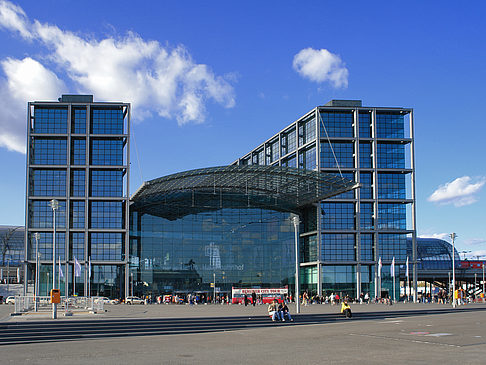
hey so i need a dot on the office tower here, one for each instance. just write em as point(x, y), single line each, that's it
point(78, 155)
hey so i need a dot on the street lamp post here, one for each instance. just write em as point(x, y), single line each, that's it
point(54, 206)
point(296, 222)
point(36, 286)
point(453, 236)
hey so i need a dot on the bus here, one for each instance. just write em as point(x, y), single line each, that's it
point(267, 295)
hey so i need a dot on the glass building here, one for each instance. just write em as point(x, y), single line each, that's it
point(78, 154)
point(227, 225)
point(342, 239)
point(11, 252)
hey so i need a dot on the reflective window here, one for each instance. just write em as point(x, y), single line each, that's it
point(77, 217)
point(338, 247)
point(389, 125)
point(392, 245)
point(106, 214)
point(45, 245)
point(365, 158)
point(288, 141)
point(48, 183)
point(338, 124)
point(79, 121)
point(343, 151)
point(367, 247)
point(289, 161)
point(41, 214)
point(366, 181)
point(78, 151)
point(14, 250)
point(78, 183)
point(106, 183)
point(49, 151)
point(339, 279)
point(307, 131)
point(391, 186)
point(307, 159)
point(50, 120)
point(107, 152)
point(106, 246)
point(364, 125)
point(107, 121)
point(308, 249)
point(366, 216)
point(337, 216)
point(272, 154)
point(392, 216)
point(347, 194)
point(391, 155)
point(77, 246)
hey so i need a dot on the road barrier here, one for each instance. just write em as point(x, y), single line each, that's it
point(24, 304)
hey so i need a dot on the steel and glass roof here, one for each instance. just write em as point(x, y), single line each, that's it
point(270, 187)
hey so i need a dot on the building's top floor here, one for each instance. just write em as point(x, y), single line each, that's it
point(67, 99)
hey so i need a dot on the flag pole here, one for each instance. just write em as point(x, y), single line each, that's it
point(59, 275)
point(393, 273)
point(74, 280)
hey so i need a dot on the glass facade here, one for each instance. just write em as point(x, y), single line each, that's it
point(237, 247)
point(371, 146)
point(66, 140)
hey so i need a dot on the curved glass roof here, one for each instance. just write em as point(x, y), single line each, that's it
point(270, 187)
point(434, 254)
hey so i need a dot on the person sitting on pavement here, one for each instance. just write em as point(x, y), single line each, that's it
point(273, 310)
point(284, 312)
point(346, 309)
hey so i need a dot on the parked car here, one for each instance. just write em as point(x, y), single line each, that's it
point(10, 300)
point(134, 300)
point(106, 300)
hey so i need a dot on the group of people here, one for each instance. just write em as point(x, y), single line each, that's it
point(279, 312)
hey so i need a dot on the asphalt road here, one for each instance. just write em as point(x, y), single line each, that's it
point(181, 334)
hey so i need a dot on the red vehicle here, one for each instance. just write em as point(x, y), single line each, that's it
point(267, 295)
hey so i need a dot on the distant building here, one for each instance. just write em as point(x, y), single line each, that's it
point(78, 154)
point(11, 252)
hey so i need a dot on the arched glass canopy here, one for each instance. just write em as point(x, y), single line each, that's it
point(279, 188)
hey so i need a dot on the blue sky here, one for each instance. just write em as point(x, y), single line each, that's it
point(210, 80)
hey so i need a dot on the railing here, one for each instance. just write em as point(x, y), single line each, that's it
point(25, 304)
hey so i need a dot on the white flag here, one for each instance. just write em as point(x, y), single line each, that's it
point(89, 267)
point(61, 274)
point(406, 272)
point(392, 268)
point(379, 267)
point(18, 275)
point(77, 267)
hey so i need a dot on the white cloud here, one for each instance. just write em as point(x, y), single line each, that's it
point(459, 192)
point(442, 236)
point(156, 79)
point(474, 255)
point(475, 241)
point(28, 80)
point(321, 66)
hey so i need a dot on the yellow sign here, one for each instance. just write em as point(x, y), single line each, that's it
point(55, 296)
point(212, 285)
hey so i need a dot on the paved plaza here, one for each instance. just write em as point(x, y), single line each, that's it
point(378, 334)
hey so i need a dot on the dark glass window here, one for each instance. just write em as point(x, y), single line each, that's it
point(77, 246)
point(78, 183)
point(307, 159)
point(337, 216)
point(365, 158)
point(79, 121)
point(107, 121)
point(272, 152)
point(347, 194)
point(50, 120)
point(290, 161)
point(78, 152)
point(41, 214)
point(343, 151)
point(49, 151)
point(14, 254)
point(392, 216)
point(106, 214)
point(106, 246)
point(307, 131)
point(367, 247)
point(366, 216)
point(391, 156)
point(391, 186)
point(45, 246)
point(107, 152)
point(340, 279)
point(308, 249)
point(106, 183)
point(389, 125)
point(48, 183)
point(339, 124)
point(288, 141)
point(338, 247)
point(392, 245)
point(77, 214)
point(364, 125)
point(366, 181)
